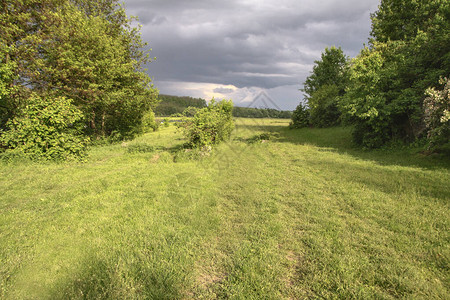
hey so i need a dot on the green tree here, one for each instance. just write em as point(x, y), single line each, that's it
point(366, 101)
point(82, 50)
point(409, 52)
point(324, 87)
point(300, 117)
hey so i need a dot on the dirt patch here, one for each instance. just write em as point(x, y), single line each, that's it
point(155, 158)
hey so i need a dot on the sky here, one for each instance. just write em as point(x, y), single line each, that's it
point(246, 50)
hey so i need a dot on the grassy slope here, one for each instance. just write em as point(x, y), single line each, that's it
point(304, 215)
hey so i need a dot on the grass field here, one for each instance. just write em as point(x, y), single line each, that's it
point(302, 215)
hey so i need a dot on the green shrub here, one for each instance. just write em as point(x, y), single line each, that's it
point(324, 111)
point(210, 125)
point(190, 111)
point(300, 117)
point(46, 129)
point(166, 122)
point(149, 122)
point(437, 115)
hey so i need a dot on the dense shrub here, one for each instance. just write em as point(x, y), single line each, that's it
point(210, 125)
point(437, 115)
point(149, 122)
point(324, 110)
point(46, 129)
point(189, 111)
point(300, 117)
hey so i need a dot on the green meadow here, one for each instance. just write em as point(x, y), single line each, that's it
point(272, 214)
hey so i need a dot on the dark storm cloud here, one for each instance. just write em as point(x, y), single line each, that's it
point(253, 43)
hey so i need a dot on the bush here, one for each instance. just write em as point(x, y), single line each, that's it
point(210, 125)
point(149, 122)
point(300, 117)
point(190, 111)
point(324, 111)
point(46, 129)
point(437, 115)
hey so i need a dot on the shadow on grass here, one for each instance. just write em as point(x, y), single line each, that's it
point(339, 140)
point(111, 278)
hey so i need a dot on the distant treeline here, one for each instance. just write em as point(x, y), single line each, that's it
point(171, 105)
point(250, 112)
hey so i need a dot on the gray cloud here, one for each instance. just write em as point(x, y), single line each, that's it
point(221, 90)
point(267, 44)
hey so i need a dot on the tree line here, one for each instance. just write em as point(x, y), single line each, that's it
point(396, 89)
point(171, 105)
point(71, 71)
point(183, 105)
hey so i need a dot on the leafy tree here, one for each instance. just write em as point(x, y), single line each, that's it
point(324, 87)
point(366, 100)
point(210, 125)
point(300, 117)
point(82, 50)
point(409, 52)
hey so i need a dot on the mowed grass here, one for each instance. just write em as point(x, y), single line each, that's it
point(303, 214)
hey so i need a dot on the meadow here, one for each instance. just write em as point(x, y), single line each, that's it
point(272, 214)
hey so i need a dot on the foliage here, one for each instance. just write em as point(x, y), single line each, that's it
point(47, 130)
point(190, 111)
point(252, 112)
point(87, 51)
point(409, 52)
point(166, 122)
point(324, 87)
point(149, 122)
point(437, 114)
point(171, 105)
point(7, 78)
point(300, 117)
point(366, 100)
point(210, 125)
point(324, 106)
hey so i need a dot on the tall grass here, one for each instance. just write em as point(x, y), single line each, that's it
point(275, 213)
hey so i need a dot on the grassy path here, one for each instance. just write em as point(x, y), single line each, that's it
point(301, 216)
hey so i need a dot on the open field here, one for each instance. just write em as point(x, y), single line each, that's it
point(303, 215)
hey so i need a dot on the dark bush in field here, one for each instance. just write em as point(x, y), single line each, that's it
point(300, 117)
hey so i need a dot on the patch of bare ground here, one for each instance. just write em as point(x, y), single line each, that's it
point(155, 158)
